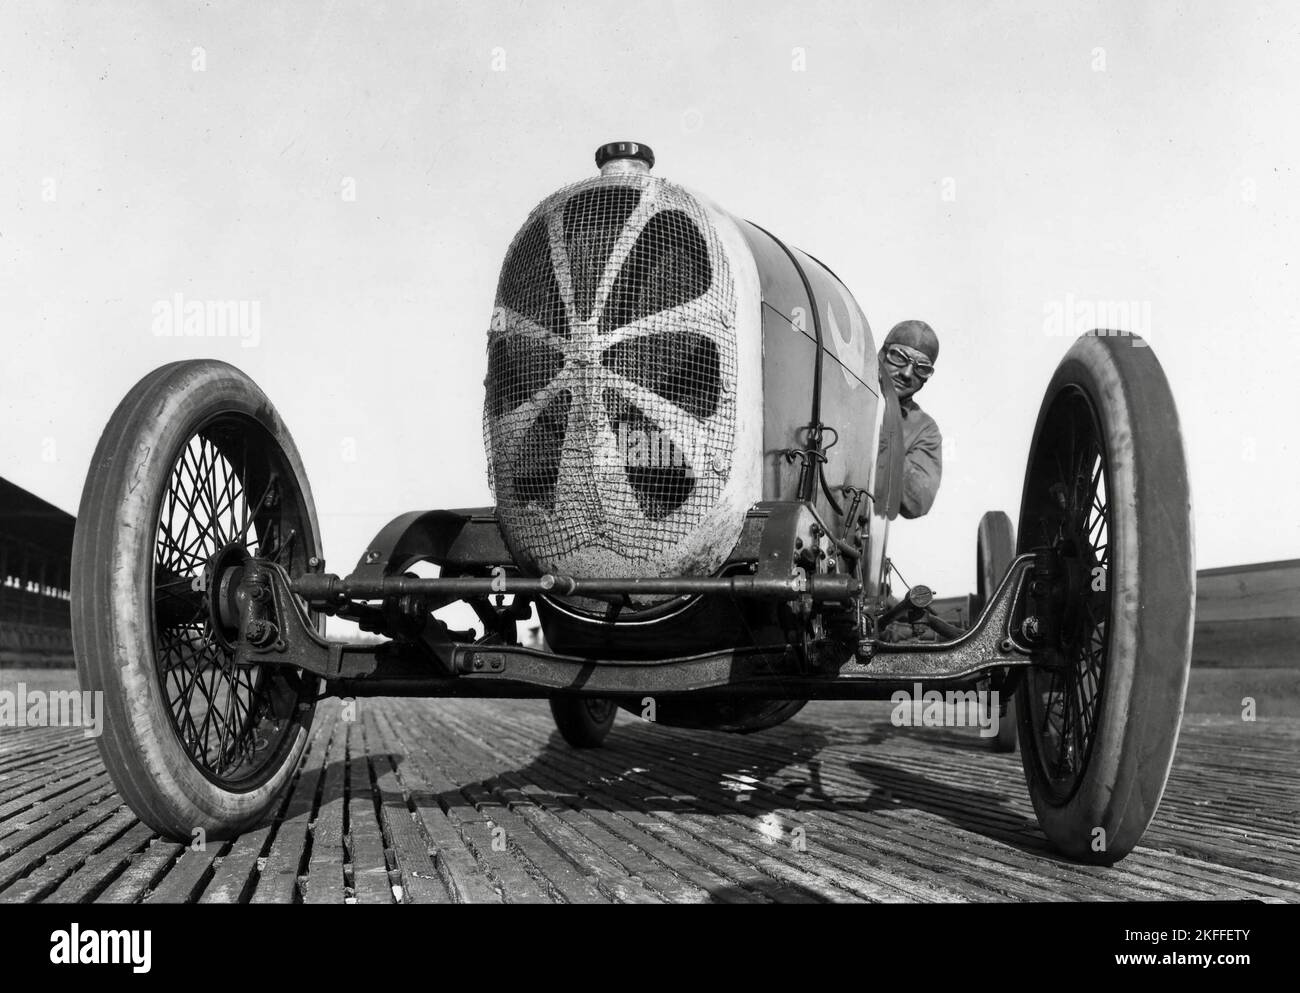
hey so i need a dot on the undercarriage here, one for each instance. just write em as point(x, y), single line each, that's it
point(813, 635)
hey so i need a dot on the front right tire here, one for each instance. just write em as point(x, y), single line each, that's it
point(1106, 490)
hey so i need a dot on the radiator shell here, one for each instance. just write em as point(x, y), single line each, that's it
point(586, 504)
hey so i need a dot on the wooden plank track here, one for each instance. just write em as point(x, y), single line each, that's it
point(422, 801)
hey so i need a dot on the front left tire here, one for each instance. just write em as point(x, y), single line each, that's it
point(194, 473)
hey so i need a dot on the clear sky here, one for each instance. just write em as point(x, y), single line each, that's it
point(358, 169)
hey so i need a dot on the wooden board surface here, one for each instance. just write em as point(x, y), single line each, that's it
point(421, 801)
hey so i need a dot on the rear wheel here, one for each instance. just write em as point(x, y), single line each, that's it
point(1106, 491)
point(583, 721)
point(194, 474)
point(995, 549)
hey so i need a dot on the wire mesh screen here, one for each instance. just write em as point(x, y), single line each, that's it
point(610, 411)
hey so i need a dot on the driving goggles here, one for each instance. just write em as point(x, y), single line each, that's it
point(923, 368)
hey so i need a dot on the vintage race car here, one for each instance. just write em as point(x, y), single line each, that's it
point(695, 462)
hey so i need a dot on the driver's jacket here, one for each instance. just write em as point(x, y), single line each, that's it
point(922, 459)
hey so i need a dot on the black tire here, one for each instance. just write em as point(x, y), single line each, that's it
point(1106, 486)
point(995, 549)
point(166, 490)
point(583, 721)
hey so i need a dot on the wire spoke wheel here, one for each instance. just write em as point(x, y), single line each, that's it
point(1066, 698)
point(194, 476)
point(1106, 497)
point(229, 498)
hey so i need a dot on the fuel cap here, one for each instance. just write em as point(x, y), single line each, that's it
point(624, 150)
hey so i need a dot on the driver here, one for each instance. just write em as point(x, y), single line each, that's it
point(908, 355)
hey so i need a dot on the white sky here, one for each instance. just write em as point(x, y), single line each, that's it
point(1168, 178)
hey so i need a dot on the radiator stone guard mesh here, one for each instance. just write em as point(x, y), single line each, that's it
point(609, 418)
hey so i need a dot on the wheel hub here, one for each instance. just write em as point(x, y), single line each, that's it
point(222, 575)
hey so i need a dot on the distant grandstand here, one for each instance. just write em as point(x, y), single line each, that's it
point(35, 562)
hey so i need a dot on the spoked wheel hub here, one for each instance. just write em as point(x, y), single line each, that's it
point(1074, 526)
point(222, 575)
point(225, 505)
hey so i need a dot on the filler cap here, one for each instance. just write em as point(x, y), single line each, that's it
point(624, 150)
